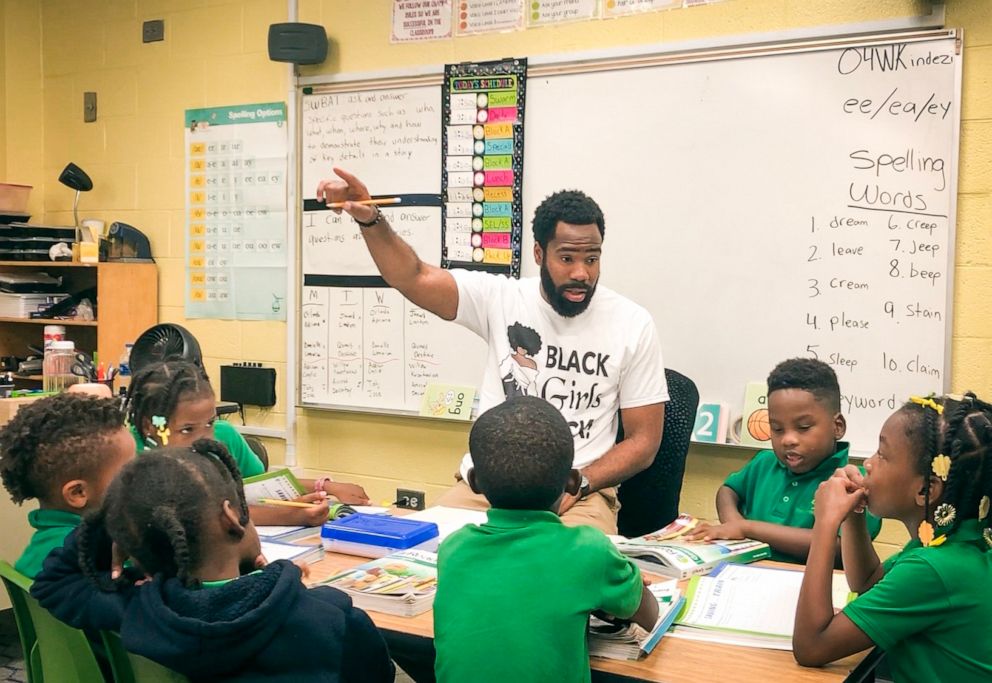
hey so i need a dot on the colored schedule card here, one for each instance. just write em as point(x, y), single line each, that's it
point(541, 12)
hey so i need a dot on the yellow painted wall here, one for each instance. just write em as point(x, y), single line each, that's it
point(214, 54)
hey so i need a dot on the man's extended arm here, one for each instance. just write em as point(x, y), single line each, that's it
point(425, 285)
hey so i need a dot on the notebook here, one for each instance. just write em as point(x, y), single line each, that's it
point(277, 550)
point(748, 606)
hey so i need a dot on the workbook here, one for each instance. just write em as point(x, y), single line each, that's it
point(403, 583)
point(277, 550)
point(629, 641)
point(748, 606)
point(663, 552)
point(448, 520)
point(276, 485)
point(273, 532)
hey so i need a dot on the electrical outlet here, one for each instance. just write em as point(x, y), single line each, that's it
point(89, 107)
point(414, 500)
point(153, 31)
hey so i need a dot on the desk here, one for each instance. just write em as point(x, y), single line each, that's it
point(674, 660)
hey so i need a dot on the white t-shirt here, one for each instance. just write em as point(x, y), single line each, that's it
point(589, 366)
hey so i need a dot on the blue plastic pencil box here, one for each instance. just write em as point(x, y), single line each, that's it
point(374, 535)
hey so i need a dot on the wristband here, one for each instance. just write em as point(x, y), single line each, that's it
point(376, 219)
point(318, 484)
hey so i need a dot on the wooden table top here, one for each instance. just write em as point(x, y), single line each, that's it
point(673, 660)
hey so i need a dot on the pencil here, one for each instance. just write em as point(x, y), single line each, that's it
point(287, 503)
point(367, 202)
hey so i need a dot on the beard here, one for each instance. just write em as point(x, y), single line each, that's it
point(556, 295)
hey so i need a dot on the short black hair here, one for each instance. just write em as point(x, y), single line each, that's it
point(524, 337)
point(157, 390)
point(810, 375)
point(522, 452)
point(571, 206)
point(54, 440)
point(961, 430)
point(156, 507)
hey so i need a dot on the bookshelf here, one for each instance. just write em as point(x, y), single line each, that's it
point(126, 305)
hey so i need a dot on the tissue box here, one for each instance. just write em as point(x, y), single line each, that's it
point(14, 198)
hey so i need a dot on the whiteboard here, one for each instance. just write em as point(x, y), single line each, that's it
point(766, 207)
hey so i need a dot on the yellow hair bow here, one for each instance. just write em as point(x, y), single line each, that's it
point(927, 402)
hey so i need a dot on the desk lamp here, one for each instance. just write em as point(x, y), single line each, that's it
point(75, 178)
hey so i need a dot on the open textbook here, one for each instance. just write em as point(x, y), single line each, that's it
point(665, 552)
point(628, 640)
point(749, 606)
point(403, 583)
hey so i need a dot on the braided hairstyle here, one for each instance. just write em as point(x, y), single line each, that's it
point(962, 432)
point(55, 440)
point(155, 510)
point(159, 388)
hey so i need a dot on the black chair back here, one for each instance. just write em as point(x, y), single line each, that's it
point(650, 499)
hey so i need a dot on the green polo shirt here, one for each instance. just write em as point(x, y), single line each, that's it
point(769, 492)
point(931, 610)
point(514, 597)
point(51, 528)
point(248, 462)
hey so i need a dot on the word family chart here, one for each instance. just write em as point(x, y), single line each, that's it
point(236, 212)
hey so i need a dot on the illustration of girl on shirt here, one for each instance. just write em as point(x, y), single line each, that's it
point(518, 369)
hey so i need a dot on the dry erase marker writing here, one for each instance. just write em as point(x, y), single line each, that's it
point(367, 202)
point(287, 503)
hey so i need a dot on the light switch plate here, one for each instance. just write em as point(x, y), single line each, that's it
point(89, 107)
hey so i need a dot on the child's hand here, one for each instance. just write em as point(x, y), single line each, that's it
point(730, 530)
point(353, 494)
point(836, 498)
point(315, 514)
point(853, 481)
point(304, 570)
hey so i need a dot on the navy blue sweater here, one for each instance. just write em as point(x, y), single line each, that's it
point(265, 626)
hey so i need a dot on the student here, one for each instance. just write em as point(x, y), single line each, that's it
point(62, 450)
point(182, 518)
point(771, 498)
point(173, 404)
point(928, 606)
point(514, 594)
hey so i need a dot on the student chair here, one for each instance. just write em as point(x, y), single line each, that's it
point(131, 668)
point(650, 499)
point(259, 449)
point(59, 653)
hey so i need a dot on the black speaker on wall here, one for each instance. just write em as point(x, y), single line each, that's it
point(297, 43)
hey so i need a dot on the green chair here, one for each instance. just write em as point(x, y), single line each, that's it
point(131, 668)
point(58, 653)
point(17, 586)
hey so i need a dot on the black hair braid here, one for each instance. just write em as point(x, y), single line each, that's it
point(953, 447)
point(164, 518)
point(932, 434)
point(91, 539)
point(209, 447)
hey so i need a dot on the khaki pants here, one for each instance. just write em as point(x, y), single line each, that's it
point(598, 510)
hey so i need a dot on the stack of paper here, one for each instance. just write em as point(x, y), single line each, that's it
point(749, 606)
point(276, 550)
point(630, 641)
point(403, 583)
point(448, 520)
point(22, 305)
point(272, 532)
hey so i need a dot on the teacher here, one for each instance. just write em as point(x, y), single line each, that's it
point(588, 351)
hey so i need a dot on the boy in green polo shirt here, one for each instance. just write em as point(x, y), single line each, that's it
point(928, 607)
point(771, 498)
point(63, 450)
point(514, 594)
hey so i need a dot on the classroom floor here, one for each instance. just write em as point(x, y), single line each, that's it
point(12, 660)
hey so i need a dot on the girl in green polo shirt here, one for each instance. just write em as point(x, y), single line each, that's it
point(173, 404)
point(927, 606)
